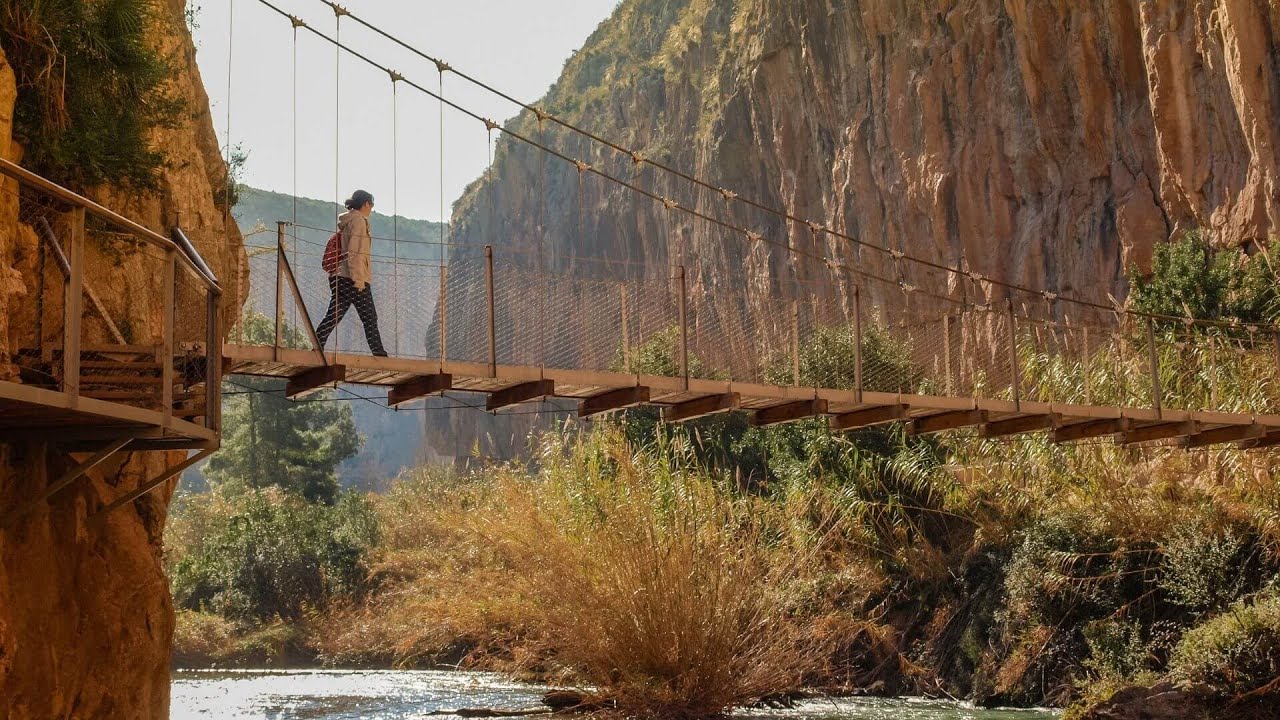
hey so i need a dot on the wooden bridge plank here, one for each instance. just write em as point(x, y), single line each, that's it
point(1271, 439)
point(788, 412)
point(868, 417)
point(1226, 434)
point(516, 394)
point(312, 379)
point(419, 387)
point(1091, 429)
point(946, 421)
point(613, 400)
point(1020, 425)
point(701, 407)
point(1160, 431)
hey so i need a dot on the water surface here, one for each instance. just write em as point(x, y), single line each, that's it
point(398, 694)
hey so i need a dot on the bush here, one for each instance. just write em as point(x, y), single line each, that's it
point(827, 360)
point(1117, 650)
point(275, 556)
point(650, 583)
point(1207, 568)
point(1237, 651)
point(91, 88)
point(1189, 277)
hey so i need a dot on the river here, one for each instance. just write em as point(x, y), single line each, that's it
point(396, 694)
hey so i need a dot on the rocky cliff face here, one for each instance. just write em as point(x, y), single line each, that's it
point(1045, 143)
point(85, 613)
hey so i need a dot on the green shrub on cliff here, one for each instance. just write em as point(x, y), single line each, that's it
point(1188, 276)
point(92, 86)
point(1237, 651)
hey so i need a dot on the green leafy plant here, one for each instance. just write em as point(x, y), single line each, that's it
point(1190, 277)
point(271, 553)
point(92, 87)
point(1238, 649)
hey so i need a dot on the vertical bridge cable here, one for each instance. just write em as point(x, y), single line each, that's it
point(542, 242)
point(226, 191)
point(294, 225)
point(395, 209)
point(338, 13)
point(441, 66)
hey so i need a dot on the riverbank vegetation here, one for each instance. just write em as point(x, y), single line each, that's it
point(679, 570)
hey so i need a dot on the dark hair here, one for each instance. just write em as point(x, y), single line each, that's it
point(358, 199)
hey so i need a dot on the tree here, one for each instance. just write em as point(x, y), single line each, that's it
point(269, 440)
point(1190, 277)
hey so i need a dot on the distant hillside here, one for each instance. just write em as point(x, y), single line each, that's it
point(261, 209)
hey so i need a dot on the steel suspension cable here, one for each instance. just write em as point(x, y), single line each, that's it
point(395, 211)
point(226, 192)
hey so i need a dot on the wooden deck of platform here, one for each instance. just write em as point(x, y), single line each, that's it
point(33, 413)
point(597, 391)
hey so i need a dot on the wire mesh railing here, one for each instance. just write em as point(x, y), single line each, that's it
point(121, 313)
point(497, 307)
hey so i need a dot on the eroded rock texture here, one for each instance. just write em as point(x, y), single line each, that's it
point(1046, 143)
point(85, 612)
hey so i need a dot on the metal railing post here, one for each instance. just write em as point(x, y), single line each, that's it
point(1015, 376)
point(626, 338)
point(1275, 341)
point(857, 342)
point(795, 343)
point(684, 328)
point(1154, 360)
point(170, 299)
point(946, 349)
point(72, 306)
point(280, 290)
point(444, 316)
point(1087, 364)
point(213, 361)
point(493, 334)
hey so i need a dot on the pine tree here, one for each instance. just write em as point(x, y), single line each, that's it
point(269, 440)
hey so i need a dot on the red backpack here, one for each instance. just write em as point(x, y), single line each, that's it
point(333, 255)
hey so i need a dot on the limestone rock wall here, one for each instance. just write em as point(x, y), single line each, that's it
point(85, 611)
point(1050, 143)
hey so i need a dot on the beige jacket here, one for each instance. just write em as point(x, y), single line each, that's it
point(356, 244)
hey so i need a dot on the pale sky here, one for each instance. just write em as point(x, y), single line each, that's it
point(517, 46)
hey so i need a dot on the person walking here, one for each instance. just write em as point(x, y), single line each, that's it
point(350, 282)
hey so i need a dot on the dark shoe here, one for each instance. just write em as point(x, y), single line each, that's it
point(380, 353)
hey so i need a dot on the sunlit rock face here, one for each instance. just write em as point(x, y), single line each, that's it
point(85, 611)
point(1047, 143)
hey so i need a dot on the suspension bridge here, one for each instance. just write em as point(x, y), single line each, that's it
point(954, 349)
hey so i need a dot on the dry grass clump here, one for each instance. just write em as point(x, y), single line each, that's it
point(665, 593)
point(655, 586)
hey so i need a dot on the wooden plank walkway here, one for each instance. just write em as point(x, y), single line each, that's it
point(33, 413)
point(681, 400)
